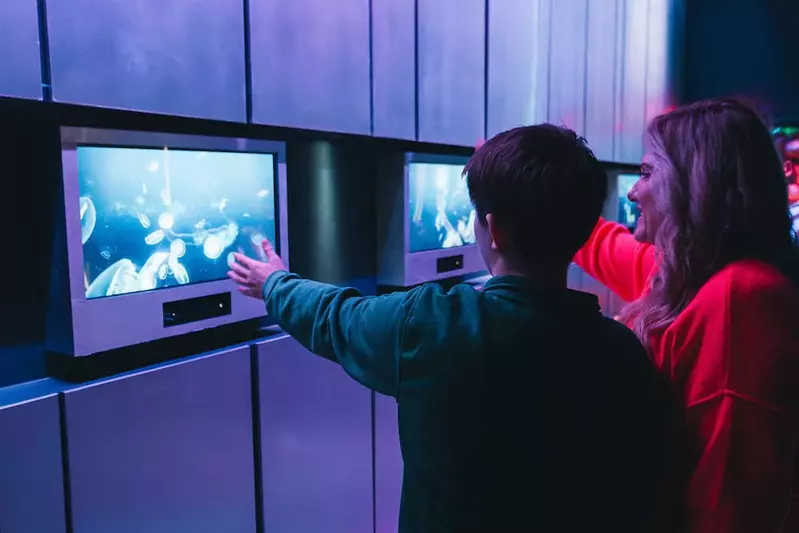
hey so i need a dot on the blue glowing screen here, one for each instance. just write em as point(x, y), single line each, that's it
point(441, 213)
point(157, 218)
point(627, 210)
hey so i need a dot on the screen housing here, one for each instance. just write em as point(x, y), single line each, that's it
point(614, 171)
point(397, 266)
point(79, 326)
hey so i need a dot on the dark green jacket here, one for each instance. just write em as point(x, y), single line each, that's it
point(521, 408)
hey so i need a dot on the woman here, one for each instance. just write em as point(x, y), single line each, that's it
point(710, 272)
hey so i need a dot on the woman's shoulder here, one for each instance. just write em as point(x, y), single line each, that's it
point(749, 279)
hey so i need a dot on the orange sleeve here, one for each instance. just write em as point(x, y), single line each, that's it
point(734, 355)
point(614, 258)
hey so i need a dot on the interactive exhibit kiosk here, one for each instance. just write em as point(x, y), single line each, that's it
point(425, 221)
point(148, 225)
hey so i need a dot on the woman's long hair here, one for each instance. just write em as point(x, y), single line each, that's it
point(723, 197)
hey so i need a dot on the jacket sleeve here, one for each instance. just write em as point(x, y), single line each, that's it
point(614, 258)
point(734, 349)
point(363, 334)
point(743, 480)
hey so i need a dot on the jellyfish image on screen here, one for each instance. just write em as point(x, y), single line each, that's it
point(441, 213)
point(628, 211)
point(157, 218)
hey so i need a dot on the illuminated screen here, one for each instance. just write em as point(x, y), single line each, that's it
point(627, 211)
point(158, 218)
point(441, 214)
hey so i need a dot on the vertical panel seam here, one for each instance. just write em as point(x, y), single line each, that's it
point(585, 69)
point(623, 58)
point(486, 65)
point(44, 51)
point(371, 70)
point(646, 59)
point(374, 463)
point(65, 471)
point(416, 68)
point(248, 89)
point(549, 57)
point(258, 463)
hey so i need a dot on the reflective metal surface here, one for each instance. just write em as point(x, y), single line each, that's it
point(31, 481)
point(394, 69)
point(20, 72)
point(451, 84)
point(178, 57)
point(316, 443)
point(165, 450)
point(310, 64)
point(388, 465)
point(518, 63)
point(567, 67)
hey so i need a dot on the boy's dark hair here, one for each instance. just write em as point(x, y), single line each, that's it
point(543, 186)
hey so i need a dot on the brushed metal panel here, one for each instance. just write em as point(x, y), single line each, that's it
point(20, 70)
point(631, 87)
point(165, 450)
point(518, 63)
point(600, 111)
point(310, 64)
point(658, 58)
point(31, 481)
point(567, 67)
point(316, 443)
point(394, 68)
point(178, 57)
point(451, 69)
point(388, 465)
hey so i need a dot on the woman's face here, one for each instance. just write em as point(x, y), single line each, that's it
point(643, 194)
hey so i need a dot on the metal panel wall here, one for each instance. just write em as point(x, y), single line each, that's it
point(600, 110)
point(518, 63)
point(20, 70)
point(394, 68)
point(310, 64)
point(316, 443)
point(451, 69)
point(659, 93)
point(631, 87)
point(179, 57)
point(567, 64)
point(165, 450)
point(31, 482)
point(601, 67)
point(388, 465)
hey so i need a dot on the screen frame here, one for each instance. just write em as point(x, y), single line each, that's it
point(613, 171)
point(410, 165)
point(421, 267)
point(101, 324)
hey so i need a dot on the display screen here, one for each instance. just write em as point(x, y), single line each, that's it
point(627, 210)
point(157, 218)
point(441, 213)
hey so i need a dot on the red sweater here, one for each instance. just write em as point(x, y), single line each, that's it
point(733, 358)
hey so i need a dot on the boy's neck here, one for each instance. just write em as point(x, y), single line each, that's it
point(545, 274)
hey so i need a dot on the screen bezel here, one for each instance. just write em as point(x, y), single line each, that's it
point(614, 170)
point(275, 193)
point(101, 324)
point(420, 267)
point(412, 158)
point(410, 167)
